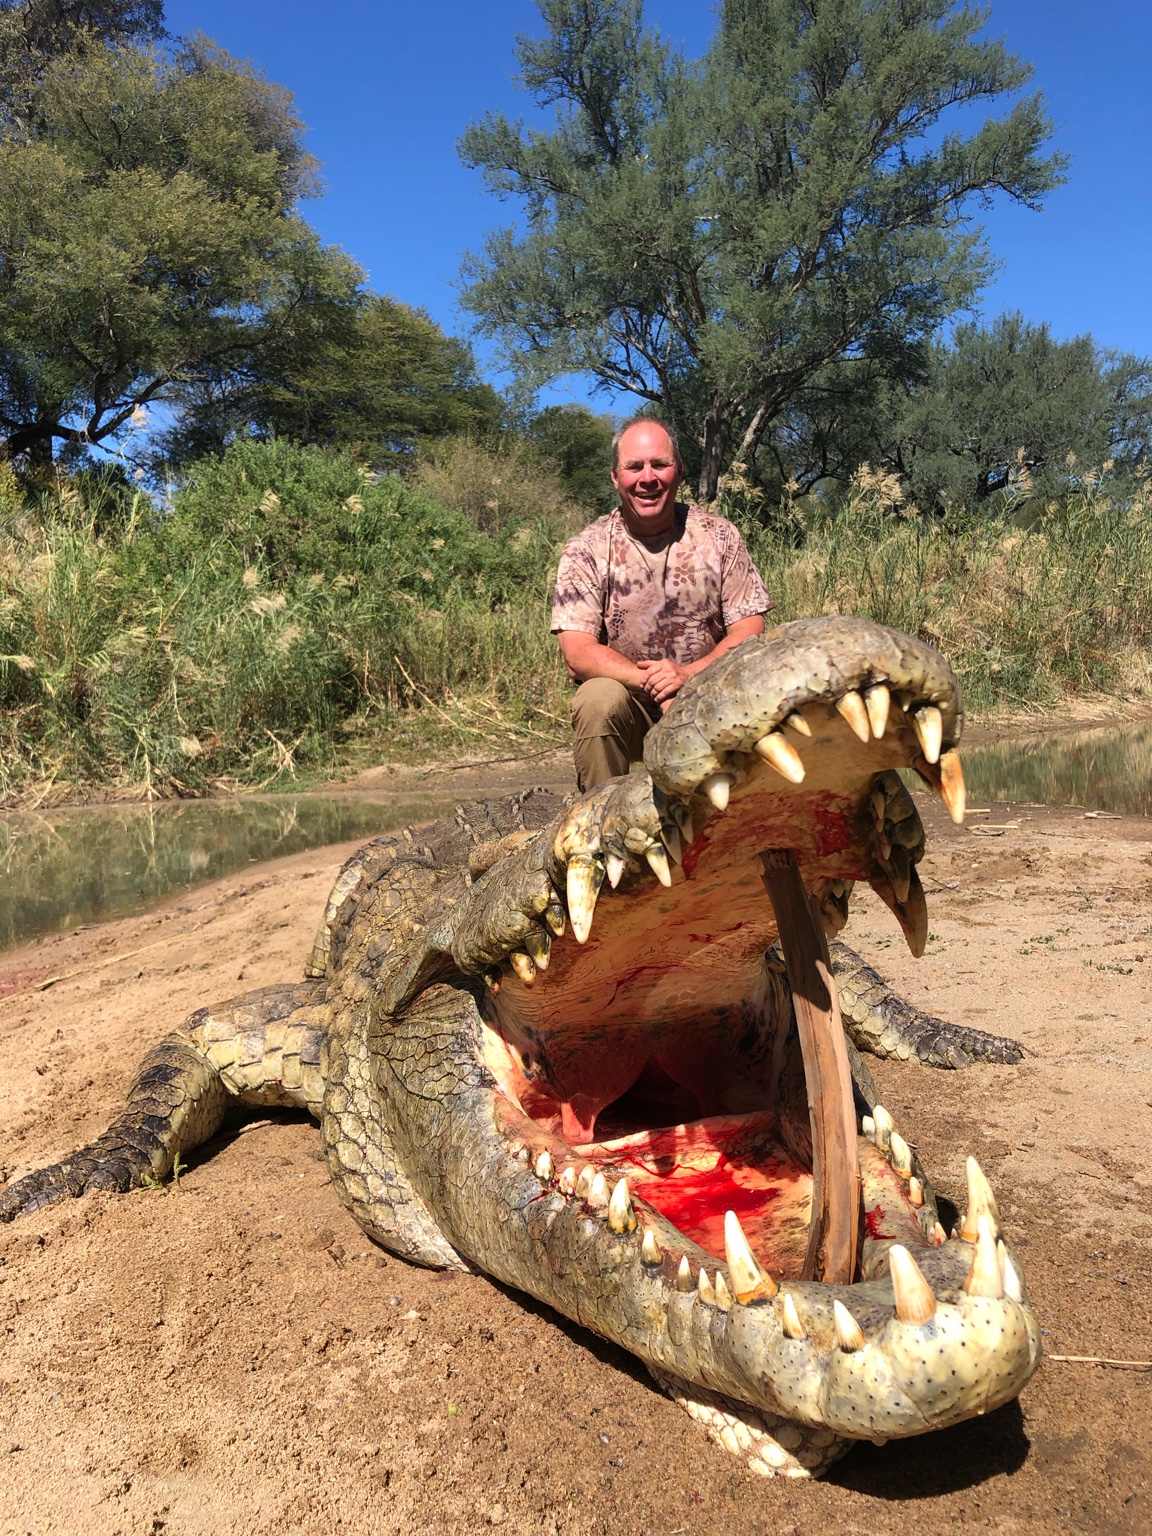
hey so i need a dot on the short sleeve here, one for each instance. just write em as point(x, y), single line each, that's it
point(578, 602)
point(742, 592)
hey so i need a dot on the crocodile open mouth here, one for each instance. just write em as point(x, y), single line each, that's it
point(663, 1048)
point(669, 1068)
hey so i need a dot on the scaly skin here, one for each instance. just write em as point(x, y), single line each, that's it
point(533, 1004)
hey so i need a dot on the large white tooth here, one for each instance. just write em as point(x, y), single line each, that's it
point(650, 1249)
point(598, 1193)
point(984, 1278)
point(914, 1297)
point(849, 1334)
point(704, 1289)
point(885, 1125)
point(851, 706)
point(782, 756)
point(658, 864)
point(868, 1127)
point(671, 835)
point(584, 1180)
point(952, 789)
point(981, 1202)
point(928, 724)
point(749, 1282)
point(916, 1192)
point(1012, 1287)
point(723, 1294)
point(523, 965)
point(585, 877)
point(796, 722)
point(717, 787)
point(793, 1327)
point(684, 1275)
point(877, 700)
point(544, 1167)
point(621, 1217)
point(901, 1155)
point(614, 867)
point(567, 1181)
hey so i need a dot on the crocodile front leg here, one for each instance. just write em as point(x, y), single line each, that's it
point(263, 1048)
point(877, 1020)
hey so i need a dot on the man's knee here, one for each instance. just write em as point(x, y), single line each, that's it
point(602, 707)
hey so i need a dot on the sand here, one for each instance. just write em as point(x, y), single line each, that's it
point(233, 1356)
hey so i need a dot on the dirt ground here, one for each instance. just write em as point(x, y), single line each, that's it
point(232, 1356)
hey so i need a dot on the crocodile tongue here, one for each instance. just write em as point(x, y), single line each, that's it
point(834, 1229)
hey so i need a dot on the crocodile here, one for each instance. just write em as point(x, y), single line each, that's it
point(607, 1050)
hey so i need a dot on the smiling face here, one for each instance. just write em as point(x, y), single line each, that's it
point(647, 477)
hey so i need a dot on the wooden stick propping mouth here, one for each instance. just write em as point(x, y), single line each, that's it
point(834, 1232)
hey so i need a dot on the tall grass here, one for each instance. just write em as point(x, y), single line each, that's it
point(289, 613)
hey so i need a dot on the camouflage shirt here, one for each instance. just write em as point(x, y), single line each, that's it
point(673, 596)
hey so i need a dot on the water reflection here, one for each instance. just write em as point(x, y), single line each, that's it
point(1107, 768)
point(66, 867)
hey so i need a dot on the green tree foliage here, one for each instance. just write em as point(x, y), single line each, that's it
point(710, 237)
point(577, 445)
point(148, 234)
point(367, 374)
point(1002, 407)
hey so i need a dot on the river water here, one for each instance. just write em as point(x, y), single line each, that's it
point(62, 868)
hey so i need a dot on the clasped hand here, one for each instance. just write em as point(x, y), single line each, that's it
point(663, 679)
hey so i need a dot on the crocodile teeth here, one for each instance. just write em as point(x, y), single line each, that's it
point(544, 1167)
point(554, 917)
point(939, 1236)
point(650, 1249)
point(539, 946)
point(723, 1294)
point(952, 788)
point(671, 836)
point(928, 723)
point(914, 1297)
point(585, 877)
point(849, 1334)
point(567, 1181)
point(981, 1202)
point(704, 1289)
point(523, 965)
point(877, 700)
point(916, 1192)
point(584, 1180)
point(868, 1127)
point(614, 867)
point(749, 1282)
point(984, 1278)
point(717, 787)
point(793, 1327)
point(796, 722)
point(684, 1275)
point(598, 1193)
point(901, 1155)
point(851, 706)
point(1012, 1287)
point(782, 756)
point(621, 1217)
point(658, 863)
point(900, 870)
point(885, 1125)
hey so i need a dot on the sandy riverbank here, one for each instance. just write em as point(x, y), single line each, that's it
point(232, 1356)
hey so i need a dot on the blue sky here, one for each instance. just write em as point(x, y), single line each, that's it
point(386, 89)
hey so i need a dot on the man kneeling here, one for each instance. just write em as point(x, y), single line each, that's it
point(645, 597)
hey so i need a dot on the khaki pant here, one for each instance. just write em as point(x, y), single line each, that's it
point(609, 725)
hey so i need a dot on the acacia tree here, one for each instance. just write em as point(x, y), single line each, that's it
point(148, 228)
point(709, 237)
